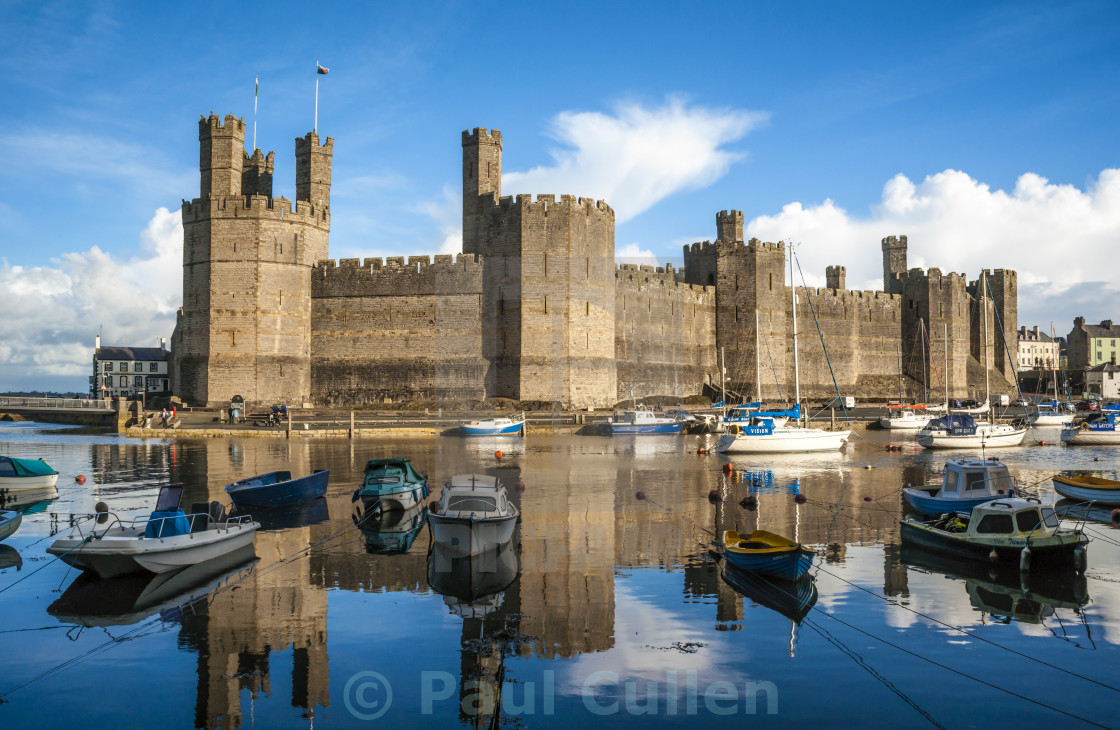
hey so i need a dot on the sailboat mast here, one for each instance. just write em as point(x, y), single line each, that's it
point(793, 305)
point(901, 400)
point(722, 388)
point(757, 363)
point(925, 373)
point(1055, 368)
point(987, 386)
point(946, 367)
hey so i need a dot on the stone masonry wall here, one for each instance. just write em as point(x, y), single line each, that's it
point(664, 337)
point(405, 331)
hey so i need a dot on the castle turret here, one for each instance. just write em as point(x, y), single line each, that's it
point(835, 277)
point(221, 155)
point(1005, 301)
point(729, 226)
point(256, 175)
point(894, 263)
point(482, 176)
point(313, 170)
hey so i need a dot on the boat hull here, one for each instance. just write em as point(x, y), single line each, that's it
point(903, 424)
point(280, 494)
point(630, 429)
point(792, 600)
point(1087, 437)
point(1048, 419)
point(1057, 553)
point(123, 551)
point(1070, 489)
point(514, 429)
point(972, 441)
point(398, 499)
point(920, 501)
point(462, 536)
point(33, 481)
point(785, 565)
point(800, 440)
point(9, 523)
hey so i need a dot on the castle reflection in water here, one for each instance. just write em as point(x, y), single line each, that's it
point(582, 523)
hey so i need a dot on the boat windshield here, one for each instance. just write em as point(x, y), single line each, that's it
point(1049, 517)
point(472, 503)
point(999, 478)
point(973, 480)
point(1028, 520)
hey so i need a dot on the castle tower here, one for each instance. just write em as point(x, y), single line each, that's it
point(548, 285)
point(245, 324)
point(256, 176)
point(894, 262)
point(482, 175)
point(313, 171)
point(729, 226)
point(1005, 300)
point(835, 277)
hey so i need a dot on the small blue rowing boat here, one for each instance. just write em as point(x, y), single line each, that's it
point(767, 554)
point(278, 489)
point(9, 522)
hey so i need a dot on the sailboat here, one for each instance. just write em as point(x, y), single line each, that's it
point(762, 435)
point(1054, 416)
point(903, 418)
point(986, 406)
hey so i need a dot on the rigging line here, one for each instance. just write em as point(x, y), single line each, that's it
point(773, 369)
point(45, 565)
point(971, 634)
point(813, 311)
point(862, 663)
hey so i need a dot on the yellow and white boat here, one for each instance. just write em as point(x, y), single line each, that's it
point(1088, 489)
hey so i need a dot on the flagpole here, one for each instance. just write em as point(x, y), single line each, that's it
point(315, 127)
point(256, 91)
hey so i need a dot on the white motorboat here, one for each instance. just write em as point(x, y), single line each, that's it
point(965, 484)
point(960, 431)
point(642, 421)
point(1048, 418)
point(26, 481)
point(9, 522)
point(905, 419)
point(473, 514)
point(168, 539)
point(761, 436)
point(1099, 430)
point(494, 427)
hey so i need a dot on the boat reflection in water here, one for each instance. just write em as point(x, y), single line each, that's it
point(10, 558)
point(392, 533)
point(128, 599)
point(793, 599)
point(1007, 593)
point(473, 586)
point(311, 512)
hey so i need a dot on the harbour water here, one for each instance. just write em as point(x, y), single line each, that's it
point(606, 609)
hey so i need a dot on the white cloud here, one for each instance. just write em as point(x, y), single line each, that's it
point(632, 253)
point(637, 156)
point(448, 214)
point(1059, 238)
point(53, 312)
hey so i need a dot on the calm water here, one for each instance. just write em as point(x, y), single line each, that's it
point(607, 609)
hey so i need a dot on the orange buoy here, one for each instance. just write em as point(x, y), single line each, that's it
point(497, 454)
point(701, 450)
point(1041, 443)
point(728, 467)
point(80, 479)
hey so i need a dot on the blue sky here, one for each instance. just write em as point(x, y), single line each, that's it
point(984, 131)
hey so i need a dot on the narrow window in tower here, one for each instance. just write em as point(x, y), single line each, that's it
point(233, 338)
point(736, 282)
point(587, 270)
point(281, 370)
point(281, 249)
point(546, 264)
point(487, 169)
point(941, 309)
point(501, 303)
point(587, 308)
point(280, 304)
point(588, 339)
point(546, 304)
point(771, 281)
point(736, 312)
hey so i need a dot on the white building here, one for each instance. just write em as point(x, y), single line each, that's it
point(1102, 380)
point(129, 371)
point(1037, 350)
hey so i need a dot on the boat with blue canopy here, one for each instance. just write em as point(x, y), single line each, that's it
point(278, 489)
point(965, 484)
point(767, 554)
point(744, 413)
point(391, 484)
point(1099, 430)
point(961, 431)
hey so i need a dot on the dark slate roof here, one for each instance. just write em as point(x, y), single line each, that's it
point(131, 353)
point(1095, 330)
point(1105, 367)
point(1029, 336)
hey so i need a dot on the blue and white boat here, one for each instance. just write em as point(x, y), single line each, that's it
point(1099, 430)
point(644, 422)
point(391, 484)
point(960, 431)
point(965, 484)
point(494, 427)
point(9, 523)
point(761, 435)
point(278, 489)
point(744, 413)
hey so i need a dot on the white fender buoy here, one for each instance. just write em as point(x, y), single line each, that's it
point(1025, 559)
point(994, 555)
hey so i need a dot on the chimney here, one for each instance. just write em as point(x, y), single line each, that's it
point(97, 342)
point(1106, 323)
point(1036, 331)
point(1078, 321)
point(163, 342)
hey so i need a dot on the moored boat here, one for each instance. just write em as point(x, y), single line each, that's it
point(1088, 489)
point(1048, 417)
point(761, 435)
point(9, 522)
point(767, 554)
point(960, 431)
point(278, 489)
point(1097, 431)
point(26, 481)
point(793, 599)
point(643, 422)
point(1010, 531)
point(494, 427)
point(391, 484)
point(168, 539)
point(392, 533)
point(473, 513)
point(904, 419)
point(965, 484)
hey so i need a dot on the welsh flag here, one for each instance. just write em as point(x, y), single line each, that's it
point(321, 69)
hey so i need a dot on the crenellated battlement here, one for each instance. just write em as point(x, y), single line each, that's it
point(544, 203)
point(666, 276)
point(719, 247)
point(396, 276)
point(310, 141)
point(254, 206)
point(214, 126)
point(474, 136)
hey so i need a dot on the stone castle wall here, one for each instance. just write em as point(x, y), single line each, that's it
point(664, 336)
point(396, 329)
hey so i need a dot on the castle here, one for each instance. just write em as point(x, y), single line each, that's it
point(535, 308)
